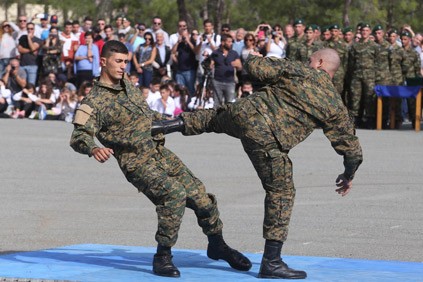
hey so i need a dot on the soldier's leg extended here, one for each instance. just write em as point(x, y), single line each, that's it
point(205, 207)
point(274, 169)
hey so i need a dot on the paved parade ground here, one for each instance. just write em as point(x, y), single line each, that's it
point(62, 212)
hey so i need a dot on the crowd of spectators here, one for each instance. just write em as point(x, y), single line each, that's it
point(46, 69)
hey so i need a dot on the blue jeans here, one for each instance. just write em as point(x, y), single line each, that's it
point(186, 78)
point(31, 73)
point(224, 93)
point(3, 65)
point(144, 78)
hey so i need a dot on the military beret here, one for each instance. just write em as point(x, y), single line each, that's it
point(392, 31)
point(325, 28)
point(347, 29)
point(406, 33)
point(298, 21)
point(334, 26)
point(359, 25)
point(119, 16)
point(363, 25)
point(377, 27)
point(310, 27)
point(317, 27)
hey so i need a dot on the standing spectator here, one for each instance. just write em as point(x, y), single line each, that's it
point(158, 26)
point(98, 40)
point(54, 21)
point(276, 43)
point(289, 32)
point(86, 27)
point(183, 55)
point(52, 52)
point(42, 29)
point(225, 61)
point(162, 57)
point(174, 38)
point(362, 68)
point(69, 46)
point(143, 60)
point(87, 60)
point(249, 46)
point(110, 35)
point(410, 69)
point(165, 105)
point(225, 29)
point(28, 48)
point(14, 76)
point(76, 29)
point(127, 29)
point(119, 23)
point(19, 29)
point(121, 38)
point(239, 41)
point(7, 46)
point(209, 41)
point(101, 23)
point(138, 40)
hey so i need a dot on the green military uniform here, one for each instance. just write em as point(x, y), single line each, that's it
point(271, 122)
point(305, 50)
point(121, 120)
point(362, 68)
point(411, 69)
point(294, 46)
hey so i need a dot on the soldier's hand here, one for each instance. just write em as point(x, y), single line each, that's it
point(344, 185)
point(102, 154)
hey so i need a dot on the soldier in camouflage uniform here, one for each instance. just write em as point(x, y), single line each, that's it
point(341, 48)
point(362, 70)
point(270, 123)
point(383, 73)
point(410, 69)
point(396, 61)
point(310, 46)
point(295, 43)
point(116, 113)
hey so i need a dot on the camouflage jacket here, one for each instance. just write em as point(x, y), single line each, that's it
point(396, 60)
point(383, 74)
point(299, 99)
point(342, 49)
point(120, 119)
point(362, 59)
point(305, 50)
point(293, 47)
point(411, 63)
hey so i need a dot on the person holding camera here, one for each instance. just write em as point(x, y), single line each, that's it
point(14, 76)
point(208, 42)
point(276, 43)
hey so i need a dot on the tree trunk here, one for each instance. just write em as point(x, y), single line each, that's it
point(104, 7)
point(345, 15)
point(390, 15)
point(21, 8)
point(185, 15)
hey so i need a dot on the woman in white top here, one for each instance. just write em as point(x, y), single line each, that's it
point(7, 46)
point(164, 105)
point(276, 44)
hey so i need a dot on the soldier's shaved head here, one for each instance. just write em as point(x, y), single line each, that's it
point(329, 60)
point(113, 46)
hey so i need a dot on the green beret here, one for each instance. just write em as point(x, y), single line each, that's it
point(310, 27)
point(406, 33)
point(325, 28)
point(298, 21)
point(377, 27)
point(363, 25)
point(334, 26)
point(347, 29)
point(317, 27)
point(392, 31)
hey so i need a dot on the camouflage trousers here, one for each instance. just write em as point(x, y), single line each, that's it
point(171, 187)
point(272, 165)
point(362, 97)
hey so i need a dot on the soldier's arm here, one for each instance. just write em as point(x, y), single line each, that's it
point(417, 65)
point(85, 128)
point(340, 131)
point(266, 70)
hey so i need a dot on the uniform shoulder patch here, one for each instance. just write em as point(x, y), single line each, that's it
point(82, 115)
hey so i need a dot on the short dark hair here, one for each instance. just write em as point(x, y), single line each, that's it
point(67, 23)
point(225, 37)
point(113, 46)
point(207, 21)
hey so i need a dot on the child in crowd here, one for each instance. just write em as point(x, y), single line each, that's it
point(165, 105)
point(203, 99)
point(180, 96)
point(24, 101)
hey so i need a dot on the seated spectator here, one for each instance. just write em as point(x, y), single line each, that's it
point(87, 61)
point(165, 105)
point(203, 99)
point(245, 90)
point(64, 108)
point(154, 93)
point(7, 46)
point(133, 77)
point(52, 50)
point(145, 92)
point(83, 91)
point(180, 96)
point(24, 101)
point(14, 76)
point(5, 99)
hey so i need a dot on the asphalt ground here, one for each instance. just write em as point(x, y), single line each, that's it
point(51, 196)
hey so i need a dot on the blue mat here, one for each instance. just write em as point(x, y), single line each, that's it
point(127, 263)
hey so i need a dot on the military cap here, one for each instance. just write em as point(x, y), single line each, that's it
point(317, 27)
point(334, 26)
point(119, 16)
point(359, 25)
point(363, 25)
point(391, 31)
point(310, 27)
point(377, 27)
point(298, 21)
point(406, 33)
point(347, 29)
point(325, 28)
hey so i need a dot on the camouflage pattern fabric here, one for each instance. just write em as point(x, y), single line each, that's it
point(294, 46)
point(361, 66)
point(121, 120)
point(396, 58)
point(338, 79)
point(383, 75)
point(305, 50)
point(411, 69)
point(275, 119)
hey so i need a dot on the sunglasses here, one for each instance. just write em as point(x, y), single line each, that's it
point(22, 21)
point(194, 33)
point(183, 25)
point(148, 38)
point(6, 26)
point(250, 39)
point(225, 29)
point(29, 28)
point(157, 23)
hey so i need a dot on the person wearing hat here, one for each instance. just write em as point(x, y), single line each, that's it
point(383, 73)
point(348, 36)
point(341, 48)
point(326, 35)
point(362, 70)
point(127, 29)
point(299, 39)
point(310, 46)
point(41, 30)
point(410, 69)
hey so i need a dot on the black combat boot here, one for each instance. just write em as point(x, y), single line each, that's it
point(162, 263)
point(167, 126)
point(272, 265)
point(218, 249)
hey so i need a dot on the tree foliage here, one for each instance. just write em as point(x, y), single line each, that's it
point(244, 13)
